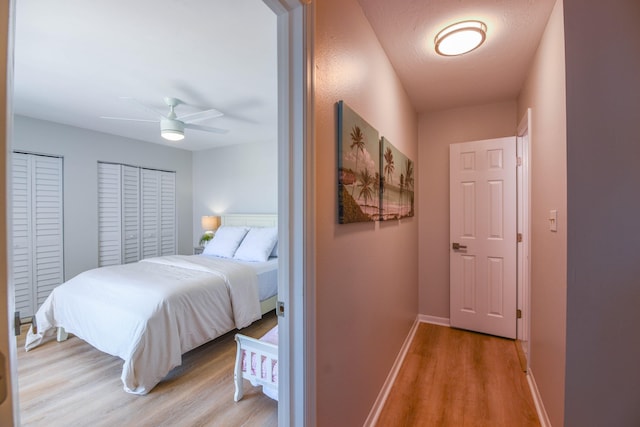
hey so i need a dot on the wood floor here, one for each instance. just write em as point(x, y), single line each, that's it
point(73, 384)
point(456, 378)
point(449, 378)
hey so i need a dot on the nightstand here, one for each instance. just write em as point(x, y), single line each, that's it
point(197, 250)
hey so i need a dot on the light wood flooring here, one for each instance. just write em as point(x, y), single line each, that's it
point(449, 378)
point(73, 384)
point(457, 378)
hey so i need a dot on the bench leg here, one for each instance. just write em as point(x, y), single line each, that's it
point(238, 383)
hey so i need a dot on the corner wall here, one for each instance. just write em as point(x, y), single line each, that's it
point(81, 150)
point(544, 91)
point(366, 273)
point(603, 112)
point(235, 179)
point(437, 130)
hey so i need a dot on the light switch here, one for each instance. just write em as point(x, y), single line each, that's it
point(553, 220)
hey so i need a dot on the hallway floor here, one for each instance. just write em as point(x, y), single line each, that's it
point(451, 377)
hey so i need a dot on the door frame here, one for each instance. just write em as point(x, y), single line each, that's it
point(523, 149)
point(9, 408)
point(296, 219)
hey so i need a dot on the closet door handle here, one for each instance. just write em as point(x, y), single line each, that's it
point(457, 246)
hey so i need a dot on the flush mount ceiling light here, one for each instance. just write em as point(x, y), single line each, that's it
point(460, 38)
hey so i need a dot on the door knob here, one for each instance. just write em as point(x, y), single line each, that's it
point(457, 246)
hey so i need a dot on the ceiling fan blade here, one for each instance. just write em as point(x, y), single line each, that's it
point(205, 128)
point(200, 115)
point(129, 119)
point(143, 106)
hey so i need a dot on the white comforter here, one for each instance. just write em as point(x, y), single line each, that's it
point(151, 312)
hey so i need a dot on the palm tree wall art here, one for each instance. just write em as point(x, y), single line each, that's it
point(389, 168)
point(375, 179)
point(397, 183)
point(358, 168)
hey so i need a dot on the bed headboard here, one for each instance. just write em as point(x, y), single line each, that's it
point(251, 220)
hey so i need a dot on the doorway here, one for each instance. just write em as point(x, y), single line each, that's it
point(295, 219)
point(483, 230)
point(522, 237)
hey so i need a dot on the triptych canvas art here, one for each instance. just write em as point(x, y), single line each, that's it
point(375, 179)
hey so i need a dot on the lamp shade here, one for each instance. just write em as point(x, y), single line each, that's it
point(210, 223)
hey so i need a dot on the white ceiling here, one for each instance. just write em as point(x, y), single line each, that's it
point(494, 72)
point(74, 59)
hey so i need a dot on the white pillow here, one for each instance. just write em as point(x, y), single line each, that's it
point(257, 244)
point(225, 241)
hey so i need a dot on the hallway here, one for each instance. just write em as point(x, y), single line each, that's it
point(451, 377)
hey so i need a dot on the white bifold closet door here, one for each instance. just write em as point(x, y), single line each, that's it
point(109, 214)
point(150, 212)
point(37, 229)
point(130, 214)
point(167, 228)
point(158, 207)
point(136, 213)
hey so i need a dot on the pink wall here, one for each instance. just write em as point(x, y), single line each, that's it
point(367, 273)
point(603, 113)
point(436, 131)
point(544, 92)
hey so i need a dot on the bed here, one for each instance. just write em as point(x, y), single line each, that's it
point(151, 312)
point(257, 362)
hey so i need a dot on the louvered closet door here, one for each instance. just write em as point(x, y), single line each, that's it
point(137, 213)
point(109, 214)
point(150, 212)
point(130, 214)
point(21, 265)
point(167, 213)
point(37, 264)
point(47, 225)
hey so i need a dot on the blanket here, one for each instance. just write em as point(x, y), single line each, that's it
point(151, 312)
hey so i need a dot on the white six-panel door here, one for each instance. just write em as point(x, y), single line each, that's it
point(483, 227)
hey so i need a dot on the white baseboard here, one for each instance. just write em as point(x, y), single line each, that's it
point(537, 400)
point(442, 321)
point(374, 414)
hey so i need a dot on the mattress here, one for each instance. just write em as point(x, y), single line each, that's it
point(267, 273)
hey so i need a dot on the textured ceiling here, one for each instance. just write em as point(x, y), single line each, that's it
point(74, 59)
point(493, 72)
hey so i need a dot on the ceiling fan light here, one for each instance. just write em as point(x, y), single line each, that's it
point(460, 38)
point(171, 130)
point(172, 135)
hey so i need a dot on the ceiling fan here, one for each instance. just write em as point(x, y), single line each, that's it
point(172, 126)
